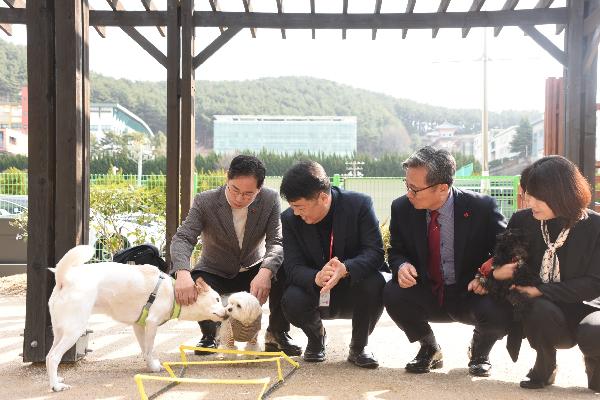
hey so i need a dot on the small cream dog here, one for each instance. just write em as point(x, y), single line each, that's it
point(120, 291)
point(242, 325)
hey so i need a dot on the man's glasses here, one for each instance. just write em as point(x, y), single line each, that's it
point(236, 192)
point(415, 191)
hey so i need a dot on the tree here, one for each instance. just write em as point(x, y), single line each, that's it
point(522, 140)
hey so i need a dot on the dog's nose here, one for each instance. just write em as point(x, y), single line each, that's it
point(230, 309)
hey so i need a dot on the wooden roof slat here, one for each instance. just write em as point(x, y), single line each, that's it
point(441, 9)
point(544, 3)
point(410, 7)
point(149, 6)
point(508, 5)
point(377, 11)
point(15, 3)
point(280, 11)
point(6, 28)
point(475, 6)
point(344, 11)
point(312, 11)
point(248, 9)
point(545, 43)
point(214, 5)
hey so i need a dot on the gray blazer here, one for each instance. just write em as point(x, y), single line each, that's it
point(210, 218)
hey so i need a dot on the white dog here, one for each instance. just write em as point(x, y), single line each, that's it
point(120, 291)
point(243, 324)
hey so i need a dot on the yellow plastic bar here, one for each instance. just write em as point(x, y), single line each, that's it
point(281, 354)
point(140, 384)
point(168, 364)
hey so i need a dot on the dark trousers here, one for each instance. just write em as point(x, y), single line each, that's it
point(241, 283)
point(413, 308)
point(549, 326)
point(361, 301)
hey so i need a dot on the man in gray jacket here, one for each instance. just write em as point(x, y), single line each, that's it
point(240, 231)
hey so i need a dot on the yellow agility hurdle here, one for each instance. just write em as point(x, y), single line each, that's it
point(173, 379)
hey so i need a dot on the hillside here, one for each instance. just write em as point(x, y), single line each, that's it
point(385, 123)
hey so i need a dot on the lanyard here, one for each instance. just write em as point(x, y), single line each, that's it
point(331, 245)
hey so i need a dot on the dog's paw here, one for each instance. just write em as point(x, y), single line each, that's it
point(59, 387)
point(154, 365)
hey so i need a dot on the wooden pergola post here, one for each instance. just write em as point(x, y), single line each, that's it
point(580, 86)
point(59, 142)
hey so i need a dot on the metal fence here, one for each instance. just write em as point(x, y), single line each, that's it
point(13, 188)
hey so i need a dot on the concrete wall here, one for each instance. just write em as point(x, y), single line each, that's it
point(13, 252)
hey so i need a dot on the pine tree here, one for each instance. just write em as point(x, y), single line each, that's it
point(522, 140)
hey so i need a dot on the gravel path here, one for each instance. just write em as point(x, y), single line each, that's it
point(107, 373)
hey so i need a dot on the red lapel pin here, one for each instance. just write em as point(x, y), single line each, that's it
point(466, 214)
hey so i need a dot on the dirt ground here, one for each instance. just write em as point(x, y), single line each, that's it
point(107, 372)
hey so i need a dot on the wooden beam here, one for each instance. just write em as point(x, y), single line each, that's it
point(188, 107)
point(12, 15)
point(591, 23)
point(410, 7)
point(475, 6)
point(441, 9)
point(149, 6)
point(140, 39)
point(560, 28)
point(545, 43)
point(508, 5)
point(101, 30)
point(345, 12)
point(383, 21)
point(128, 18)
point(214, 5)
point(279, 11)
point(173, 121)
point(6, 28)
point(377, 11)
point(312, 11)
point(248, 9)
point(214, 46)
point(146, 44)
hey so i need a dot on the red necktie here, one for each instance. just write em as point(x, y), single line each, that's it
point(433, 265)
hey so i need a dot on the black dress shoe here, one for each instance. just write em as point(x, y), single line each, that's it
point(281, 341)
point(534, 382)
point(315, 349)
point(427, 358)
point(207, 341)
point(362, 358)
point(480, 366)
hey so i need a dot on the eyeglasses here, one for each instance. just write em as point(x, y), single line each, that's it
point(415, 191)
point(236, 192)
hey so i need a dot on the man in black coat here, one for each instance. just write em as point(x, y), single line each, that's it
point(333, 259)
point(439, 237)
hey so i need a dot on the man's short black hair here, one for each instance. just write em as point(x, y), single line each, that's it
point(306, 179)
point(244, 165)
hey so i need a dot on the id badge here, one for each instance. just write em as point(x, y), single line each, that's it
point(324, 299)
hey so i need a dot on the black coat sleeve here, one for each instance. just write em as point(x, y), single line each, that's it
point(297, 268)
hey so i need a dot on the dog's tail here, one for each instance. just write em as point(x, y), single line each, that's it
point(76, 256)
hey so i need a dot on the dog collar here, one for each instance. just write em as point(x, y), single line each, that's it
point(146, 309)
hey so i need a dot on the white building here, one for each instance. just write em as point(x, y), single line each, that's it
point(113, 117)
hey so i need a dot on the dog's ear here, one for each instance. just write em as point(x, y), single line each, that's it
point(201, 286)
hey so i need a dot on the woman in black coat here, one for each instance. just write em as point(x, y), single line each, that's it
point(563, 239)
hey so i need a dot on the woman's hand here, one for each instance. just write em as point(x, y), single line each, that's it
point(505, 272)
point(529, 291)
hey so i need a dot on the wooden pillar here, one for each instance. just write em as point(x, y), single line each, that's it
point(188, 115)
point(580, 91)
point(57, 35)
point(173, 119)
point(41, 171)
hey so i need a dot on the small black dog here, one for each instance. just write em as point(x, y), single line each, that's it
point(511, 246)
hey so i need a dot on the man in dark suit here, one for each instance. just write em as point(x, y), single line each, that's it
point(439, 237)
point(333, 258)
point(240, 229)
